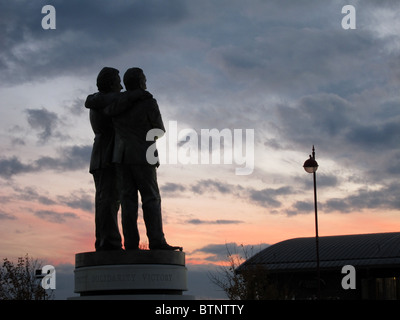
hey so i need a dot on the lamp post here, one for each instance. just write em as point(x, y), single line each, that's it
point(311, 166)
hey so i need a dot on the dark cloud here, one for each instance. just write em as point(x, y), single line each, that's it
point(354, 133)
point(268, 197)
point(198, 221)
point(171, 188)
point(300, 207)
point(31, 194)
point(221, 252)
point(17, 141)
point(327, 180)
point(291, 60)
point(85, 32)
point(324, 180)
point(377, 137)
point(6, 216)
point(74, 157)
point(316, 118)
point(78, 200)
point(210, 185)
point(385, 198)
point(13, 166)
point(75, 107)
point(44, 121)
point(303, 206)
point(70, 158)
point(56, 217)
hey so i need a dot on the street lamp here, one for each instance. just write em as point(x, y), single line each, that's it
point(311, 166)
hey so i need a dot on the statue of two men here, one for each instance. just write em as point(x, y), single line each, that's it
point(120, 122)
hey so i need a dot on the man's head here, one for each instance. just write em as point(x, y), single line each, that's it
point(109, 80)
point(134, 78)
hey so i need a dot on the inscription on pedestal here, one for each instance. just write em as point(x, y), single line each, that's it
point(157, 277)
point(113, 278)
point(130, 277)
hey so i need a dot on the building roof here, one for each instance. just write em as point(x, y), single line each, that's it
point(375, 249)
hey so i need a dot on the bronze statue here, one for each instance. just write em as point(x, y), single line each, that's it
point(131, 115)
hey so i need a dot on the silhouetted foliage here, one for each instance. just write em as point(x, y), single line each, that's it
point(250, 284)
point(18, 282)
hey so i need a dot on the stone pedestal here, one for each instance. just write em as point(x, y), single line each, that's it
point(123, 275)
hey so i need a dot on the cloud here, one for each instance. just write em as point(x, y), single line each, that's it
point(361, 132)
point(365, 198)
point(6, 216)
point(385, 197)
point(266, 198)
point(300, 207)
point(17, 141)
point(43, 121)
point(31, 194)
point(198, 221)
point(171, 188)
point(13, 166)
point(75, 107)
point(70, 158)
point(210, 185)
point(56, 217)
point(290, 59)
point(85, 32)
point(379, 137)
point(324, 180)
point(315, 118)
point(221, 252)
point(78, 200)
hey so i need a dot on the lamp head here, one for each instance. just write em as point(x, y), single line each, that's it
point(310, 165)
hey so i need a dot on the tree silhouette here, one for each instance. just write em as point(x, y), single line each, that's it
point(18, 282)
point(248, 284)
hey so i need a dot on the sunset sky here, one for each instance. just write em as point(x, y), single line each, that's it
point(286, 70)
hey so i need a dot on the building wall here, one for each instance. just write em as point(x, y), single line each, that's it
point(373, 284)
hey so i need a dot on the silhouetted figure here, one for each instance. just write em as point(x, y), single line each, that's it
point(132, 120)
point(107, 197)
point(102, 169)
